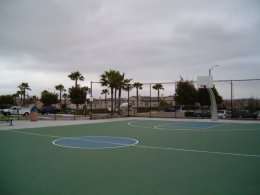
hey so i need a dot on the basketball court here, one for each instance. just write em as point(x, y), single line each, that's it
point(131, 156)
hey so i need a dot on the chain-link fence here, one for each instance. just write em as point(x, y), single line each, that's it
point(240, 99)
point(236, 99)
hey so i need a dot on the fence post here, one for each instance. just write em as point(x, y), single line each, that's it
point(150, 100)
point(175, 106)
point(128, 100)
point(231, 97)
point(91, 100)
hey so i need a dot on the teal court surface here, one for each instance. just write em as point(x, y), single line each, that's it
point(131, 157)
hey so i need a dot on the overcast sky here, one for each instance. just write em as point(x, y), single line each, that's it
point(41, 42)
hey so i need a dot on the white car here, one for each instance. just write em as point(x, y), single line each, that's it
point(258, 115)
point(17, 110)
point(223, 114)
point(123, 106)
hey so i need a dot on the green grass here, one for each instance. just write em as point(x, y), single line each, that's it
point(4, 118)
point(31, 164)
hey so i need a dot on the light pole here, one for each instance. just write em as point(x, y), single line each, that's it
point(211, 69)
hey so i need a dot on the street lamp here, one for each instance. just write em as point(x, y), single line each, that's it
point(211, 69)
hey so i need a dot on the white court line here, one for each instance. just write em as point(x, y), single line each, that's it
point(158, 127)
point(80, 138)
point(184, 123)
point(148, 147)
point(133, 125)
point(214, 126)
point(198, 151)
point(117, 145)
point(162, 127)
point(158, 147)
point(35, 134)
point(21, 124)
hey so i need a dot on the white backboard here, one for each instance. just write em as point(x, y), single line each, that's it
point(205, 81)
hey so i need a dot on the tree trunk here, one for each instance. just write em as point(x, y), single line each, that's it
point(106, 100)
point(119, 99)
point(158, 93)
point(65, 102)
point(115, 99)
point(128, 101)
point(137, 100)
point(112, 102)
point(60, 97)
point(86, 103)
point(24, 97)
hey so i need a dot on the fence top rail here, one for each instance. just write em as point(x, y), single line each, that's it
point(174, 82)
point(234, 80)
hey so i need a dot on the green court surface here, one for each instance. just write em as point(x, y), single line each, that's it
point(182, 158)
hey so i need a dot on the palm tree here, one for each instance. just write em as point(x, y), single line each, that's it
point(158, 87)
point(109, 79)
point(76, 76)
point(14, 96)
point(19, 94)
point(120, 84)
point(127, 87)
point(61, 89)
point(138, 86)
point(23, 87)
point(86, 89)
point(105, 92)
point(123, 85)
point(65, 96)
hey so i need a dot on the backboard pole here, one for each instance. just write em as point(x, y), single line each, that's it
point(213, 106)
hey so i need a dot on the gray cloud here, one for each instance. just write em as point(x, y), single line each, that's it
point(148, 40)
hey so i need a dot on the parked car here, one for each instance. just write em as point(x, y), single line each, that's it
point(123, 106)
point(223, 114)
point(49, 110)
point(248, 114)
point(16, 110)
point(235, 114)
point(68, 111)
point(201, 113)
point(197, 113)
point(169, 109)
point(258, 115)
point(5, 106)
point(205, 114)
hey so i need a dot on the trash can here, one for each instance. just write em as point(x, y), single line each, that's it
point(34, 114)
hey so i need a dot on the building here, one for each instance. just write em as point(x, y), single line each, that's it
point(143, 102)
